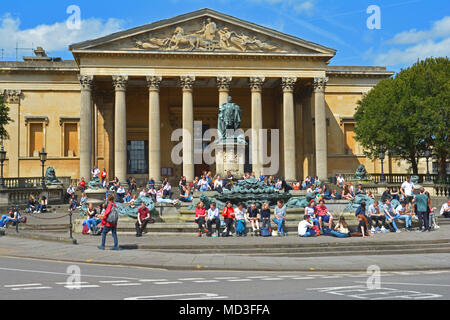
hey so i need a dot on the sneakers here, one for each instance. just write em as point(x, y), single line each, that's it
point(420, 230)
point(101, 248)
point(398, 231)
point(373, 230)
point(383, 230)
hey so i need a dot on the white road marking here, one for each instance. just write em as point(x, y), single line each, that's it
point(71, 283)
point(240, 280)
point(153, 280)
point(31, 288)
point(191, 279)
point(168, 282)
point(226, 278)
point(117, 281)
point(126, 284)
point(182, 296)
point(23, 285)
point(206, 281)
point(82, 286)
point(272, 279)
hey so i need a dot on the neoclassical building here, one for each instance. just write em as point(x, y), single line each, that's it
point(118, 102)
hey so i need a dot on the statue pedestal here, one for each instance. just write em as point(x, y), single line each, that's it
point(230, 156)
point(95, 196)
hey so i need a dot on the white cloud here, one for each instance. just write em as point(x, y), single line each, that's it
point(418, 44)
point(440, 29)
point(54, 37)
point(299, 6)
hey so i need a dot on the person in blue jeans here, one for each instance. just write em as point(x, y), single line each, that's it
point(7, 219)
point(280, 218)
point(305, 228)
point(108, 227)
point(402, 214)
point(341, 230)
point(390, 214)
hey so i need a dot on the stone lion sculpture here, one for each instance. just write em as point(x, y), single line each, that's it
point(95, 184)
point(50, 176)
point(361, 172)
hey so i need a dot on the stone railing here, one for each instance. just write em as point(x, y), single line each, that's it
point(22, 183)
point(442, 190)
point(390, 178)
point(19, 197)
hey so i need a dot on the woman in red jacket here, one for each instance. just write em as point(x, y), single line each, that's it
point(107, 227)
point(228, 214)
point(200, 218)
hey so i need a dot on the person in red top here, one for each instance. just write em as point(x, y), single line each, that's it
point(82, 185)
point(200, 218)
point(107, 227)
point(228, 214)
point(323, 215)
point(143, 219)
point(104, 175)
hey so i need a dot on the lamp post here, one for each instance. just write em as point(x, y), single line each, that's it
point(428, 156)
point(382, 157)
point(2, 160)
point(43, 157)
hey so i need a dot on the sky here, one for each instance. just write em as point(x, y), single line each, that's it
point(391, 33)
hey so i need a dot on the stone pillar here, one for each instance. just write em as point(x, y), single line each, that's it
point(86, 126)
point(154, 138)
point(308, 163)
point(223, 83)
point(12, 99)
point(321, 128)
point(256, 84)
point(288, 85)
point(120, 128)
point(187, 85)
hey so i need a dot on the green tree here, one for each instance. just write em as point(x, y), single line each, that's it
point(408, 114)
point(4, 118)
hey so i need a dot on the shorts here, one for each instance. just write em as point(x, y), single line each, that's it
point(409, 199)
point(325, 218)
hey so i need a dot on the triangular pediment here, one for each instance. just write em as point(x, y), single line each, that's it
point(204, 31)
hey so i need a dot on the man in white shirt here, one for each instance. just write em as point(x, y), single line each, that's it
point(407, 190)
point(340, 181)
point(213, 217)
point(305, 228)
point(95, 172)
point(445, 210)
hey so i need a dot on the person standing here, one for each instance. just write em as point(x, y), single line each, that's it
point(95, 172)
point(407, 190)
point(421, 201)
point(108, 226)
point(143, 219)
point(104, 175)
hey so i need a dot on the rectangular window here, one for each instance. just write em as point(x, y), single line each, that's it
point(351, 145)
point(138, 157)
point(71, 140)
point(36, 139)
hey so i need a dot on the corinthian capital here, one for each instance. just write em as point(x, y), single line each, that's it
point(120, 82)
point(288, 84)
point(223, 83)
point(187, 82)
point(256, 83)
point(12, 96)
point(320, 84)
point(87, 82)
point(153, 82)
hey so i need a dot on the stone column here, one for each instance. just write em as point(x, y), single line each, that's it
point(187, 85)
point(154, 138)
point(321, 128)
point(12, 99)
point(288, 85)
point(308, 164)
point(256, 84)
point(223, 83)
point(86, 126)
point(120, 128)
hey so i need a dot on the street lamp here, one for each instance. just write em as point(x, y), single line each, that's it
point(43, 158)
point(428, 156)
point(2, 160)
point(382, 157)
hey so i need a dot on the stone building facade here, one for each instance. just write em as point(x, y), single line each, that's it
point(117, 103)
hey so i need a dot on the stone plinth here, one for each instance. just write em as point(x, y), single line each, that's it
point(96, 196)
point(230, 156)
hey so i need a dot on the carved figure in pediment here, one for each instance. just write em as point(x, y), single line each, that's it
point(209, 30)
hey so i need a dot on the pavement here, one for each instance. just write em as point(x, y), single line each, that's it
point(193, 253)
point(25, 279)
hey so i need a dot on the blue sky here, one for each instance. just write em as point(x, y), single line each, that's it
point(410, 29)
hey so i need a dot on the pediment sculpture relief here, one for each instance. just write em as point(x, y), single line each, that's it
point(208, 38)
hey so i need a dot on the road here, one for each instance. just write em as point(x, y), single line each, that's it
point(23, 279)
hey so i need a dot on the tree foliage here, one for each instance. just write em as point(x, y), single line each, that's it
point(408, 114)
point(4, 118)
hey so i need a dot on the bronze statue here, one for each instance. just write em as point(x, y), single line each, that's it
point(230, 117)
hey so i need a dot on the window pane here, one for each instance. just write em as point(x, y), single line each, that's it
point(138, 157)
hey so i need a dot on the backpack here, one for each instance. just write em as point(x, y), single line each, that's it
point(265, 232)
point(113, 216)
point(85, 229)
point(98, 230)
point(240, 227)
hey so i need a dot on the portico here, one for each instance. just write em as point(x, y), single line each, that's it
point(125, 94)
